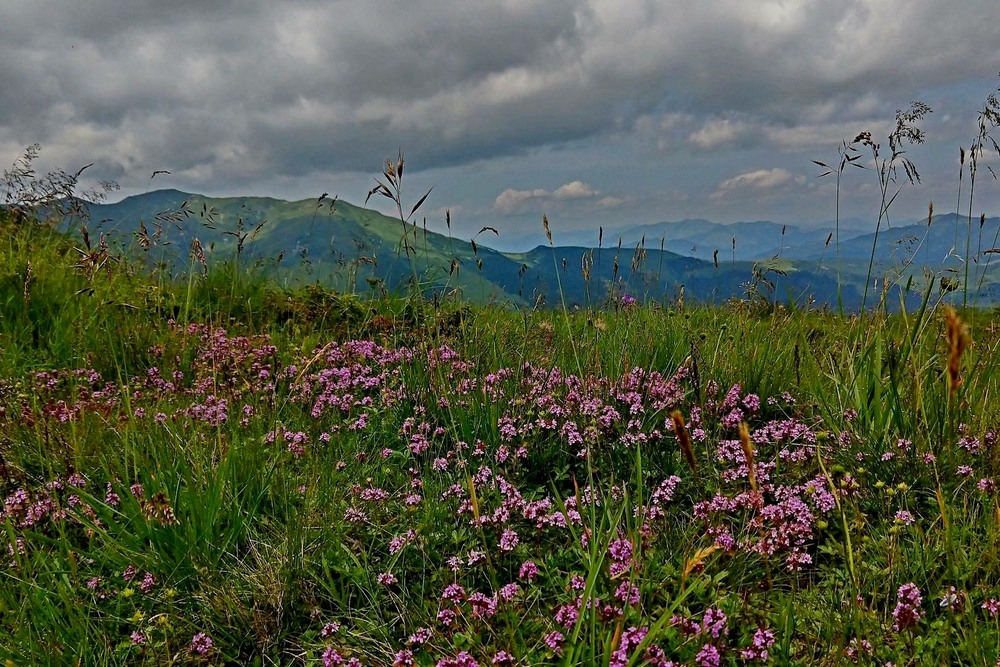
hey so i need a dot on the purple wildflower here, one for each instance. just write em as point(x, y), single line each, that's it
point(907, 612)
point(714, 622)
point(201, 644)
point(554, 640)
point(148, 583)
point(508, 540)
point(763, 639)
point(708, 656)
point(509, 592)
point(453, 592)
point(503, 658)
point(420, 636)
point(992, 607)
point(627, 593)
point(404, 658)
point(528, 571)
point(331, 657)
point(857, 648)
point(630, 638)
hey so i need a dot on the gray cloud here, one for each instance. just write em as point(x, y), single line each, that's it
point(226, 93)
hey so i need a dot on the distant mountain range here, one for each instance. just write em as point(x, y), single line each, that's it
point(750, 241)
point(700, 238)
point(352, 249)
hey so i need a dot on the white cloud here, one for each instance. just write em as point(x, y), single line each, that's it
point(574, 190)
point(718, 132)
point(756, 182)
point(512, 201)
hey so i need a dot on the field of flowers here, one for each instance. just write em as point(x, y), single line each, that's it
point(213, 473)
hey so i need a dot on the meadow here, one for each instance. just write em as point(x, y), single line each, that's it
point(209, 469)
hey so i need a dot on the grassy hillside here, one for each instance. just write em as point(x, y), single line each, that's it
point(353, 250)
point(217, 468)
point(326, 242)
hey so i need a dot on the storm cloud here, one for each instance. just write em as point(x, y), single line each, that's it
point(495, 98)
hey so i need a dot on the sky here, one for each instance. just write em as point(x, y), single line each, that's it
point(594, 113)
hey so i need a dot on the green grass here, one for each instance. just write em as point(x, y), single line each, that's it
point(265, 516)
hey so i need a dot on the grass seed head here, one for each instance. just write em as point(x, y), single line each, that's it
point(683, 439)
point(748, 453)
point(957, 337)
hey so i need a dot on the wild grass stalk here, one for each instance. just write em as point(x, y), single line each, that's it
point(391, 187)
point(987, 122)
point(848, 155)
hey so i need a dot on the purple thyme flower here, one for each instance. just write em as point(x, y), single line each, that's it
point(404, 658)
point(331, 657)
point(554, 640)
point(148, 583)
point(907, 612)
point(714, 622)
point(508, 540)
point(763, 639)
point(708, 656)
point(528, 571)
point(201, 644)
point(421, 636)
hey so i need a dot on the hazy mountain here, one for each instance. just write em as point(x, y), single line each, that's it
point(927, 244)
point(310, 241)
point(739, 241)
point(353, 249)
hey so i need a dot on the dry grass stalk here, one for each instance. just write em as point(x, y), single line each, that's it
point(957, 337)
point(474, 500)
point(28, 275)
point(698, 559)
point(616, 638)
point(197, 254)
point(684, 439)
point(748, 454)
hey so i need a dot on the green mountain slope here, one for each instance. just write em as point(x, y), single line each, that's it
point(357, 250)
point(332, 243)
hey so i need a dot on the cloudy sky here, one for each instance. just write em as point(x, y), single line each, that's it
point(594, 112)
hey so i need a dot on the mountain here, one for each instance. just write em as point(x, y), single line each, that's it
point(321, 241)
point(742, 241)
point(697, 237)
point(926, 244)
point(353, 249)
